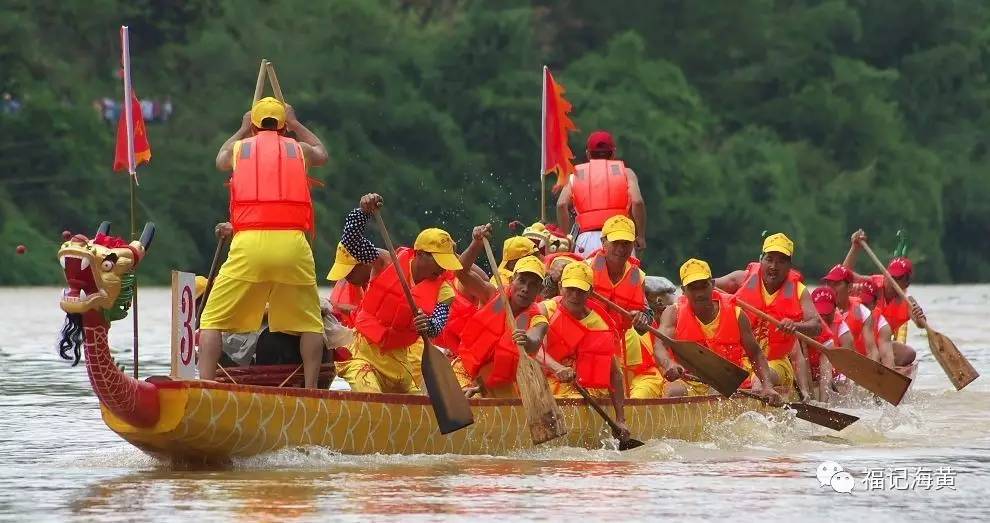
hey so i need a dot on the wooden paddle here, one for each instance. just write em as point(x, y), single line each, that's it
point(259, 87)
point(720, 373)
point(451, 408)
point(624, 443)
point(273, 78)
point(832, 419)
point(871, 375)
point(214, 269)
point(543, 415)
point(959, 370)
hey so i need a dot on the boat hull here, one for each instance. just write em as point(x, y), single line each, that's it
point(208, 421)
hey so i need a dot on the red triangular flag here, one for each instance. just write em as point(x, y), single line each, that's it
point(142, 148)
point(557, 153)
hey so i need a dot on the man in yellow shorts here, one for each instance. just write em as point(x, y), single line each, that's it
point(385, 327)
point(270, 262)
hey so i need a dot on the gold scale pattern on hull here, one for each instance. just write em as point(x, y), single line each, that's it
point(213, 421)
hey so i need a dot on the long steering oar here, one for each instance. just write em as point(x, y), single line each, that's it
point(871, 375)
point(720, 373)
point(273, 78)
point(543, 415)
point(624, 443)
point(959, 370)
point(449, 404)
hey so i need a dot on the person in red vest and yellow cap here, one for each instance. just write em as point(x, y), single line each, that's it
point(774, 287)
point(270, 262)
point(513, 249)
point(386, 329)
point(599, 189)
point(582, 343)
point(350, 280)
point(711, 318)
point(889, 302)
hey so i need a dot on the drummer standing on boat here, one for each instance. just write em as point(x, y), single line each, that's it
point(599, 189)
point(270, 262)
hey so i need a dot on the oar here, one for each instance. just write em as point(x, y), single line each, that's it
point(259, 87)
point(720, 373)
point(871, 375)
point(624, 443)
point(832, 419)
point(959, 370)
point(449, 404)
point(543, 415)
point(273, 78)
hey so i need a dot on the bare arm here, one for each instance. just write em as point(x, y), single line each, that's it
point(870, 339)
point(637, 208)
point(811, 323)
point(224, 161)
point(534, 338)
point(474, 285)
point(885, 347)
point(316, 155)
point(846, 341)
point(668, 325)
point(564, 208)
point(731, 282)
point(802, 373)
point(850, 261)
point(618, 391)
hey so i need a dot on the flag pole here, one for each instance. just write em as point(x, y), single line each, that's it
point(125, 53)
point(543, 150)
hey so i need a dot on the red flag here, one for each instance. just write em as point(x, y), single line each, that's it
point(142, 149)
point(557, 153)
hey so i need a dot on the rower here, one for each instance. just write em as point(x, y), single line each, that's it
point(710, 318)
point(618, 278)
point(774, 287)
point(513, 249)
point(555, 264)
point(350, 281)
point(858, 317)
point(270, 261)
point(385, 327)
point(489, 355)
point(835, 333)
point(582, 343)
point(599, 189)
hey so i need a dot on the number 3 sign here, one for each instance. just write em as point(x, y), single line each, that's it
point(184, 357)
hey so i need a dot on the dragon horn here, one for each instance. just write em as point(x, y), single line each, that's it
point(147, 235)
point(104, 228)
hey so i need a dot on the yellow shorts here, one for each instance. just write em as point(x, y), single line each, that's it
point(371, 369)
point(239, 306)
point(567, 390)
point(646, 386)
point(416, 363)
point(270, 256)
point(782, 366)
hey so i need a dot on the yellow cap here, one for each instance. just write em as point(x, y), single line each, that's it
point(268, 107)
point(201, 282)
point(577, 275)
point(778, 242)
point(343, 264)
point(439, 243)
point(694, 270)
point(517, 247)
point(531, 264)
point(619, 227)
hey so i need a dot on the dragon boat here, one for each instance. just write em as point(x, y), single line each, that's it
point(193, 420)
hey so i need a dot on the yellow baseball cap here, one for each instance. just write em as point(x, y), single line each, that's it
point(778, 242)
point(201, 282)
point(439, 243)
point(577, 275)
point(517, 247)
point(343, 264)
point(530, 264)
point(619, 227)
point(694, 270)
point(268, 107)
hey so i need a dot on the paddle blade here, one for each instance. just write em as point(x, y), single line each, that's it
point(871, 375)
point(711, 368)
point(959, 370)
point(832, 419)
point(630, 443)
point(543, 416)
point(449, 404)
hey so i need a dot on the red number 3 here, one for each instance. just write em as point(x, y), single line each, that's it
point(186, 340)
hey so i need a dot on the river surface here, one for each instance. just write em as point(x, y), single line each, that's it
point(58, 461)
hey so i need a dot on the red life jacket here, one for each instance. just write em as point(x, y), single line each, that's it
point(488, 341)
point(727, 341)
point(628, 293)
point(787, 304)
point(269, 188)
point(591, 350)
point(384, 317)
point(855, 324)
point(599, 191)
point(897, 311)
point(344, 293)
point(461, 311)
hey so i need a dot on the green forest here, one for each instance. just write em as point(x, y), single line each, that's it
point(810, 117)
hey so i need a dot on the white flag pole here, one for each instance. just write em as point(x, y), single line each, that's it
point(543, 149)
point(125, 58)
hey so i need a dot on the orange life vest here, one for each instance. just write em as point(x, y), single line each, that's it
point(787, 304)
point(269, 188)
point(855, 324)
point(344, 293)
point(727, 341)
point(897, 311)
point(461, 310)
point(591, 350)
point(628, 293)
point(599, 191)
point(384, 317)
point(488, 341)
